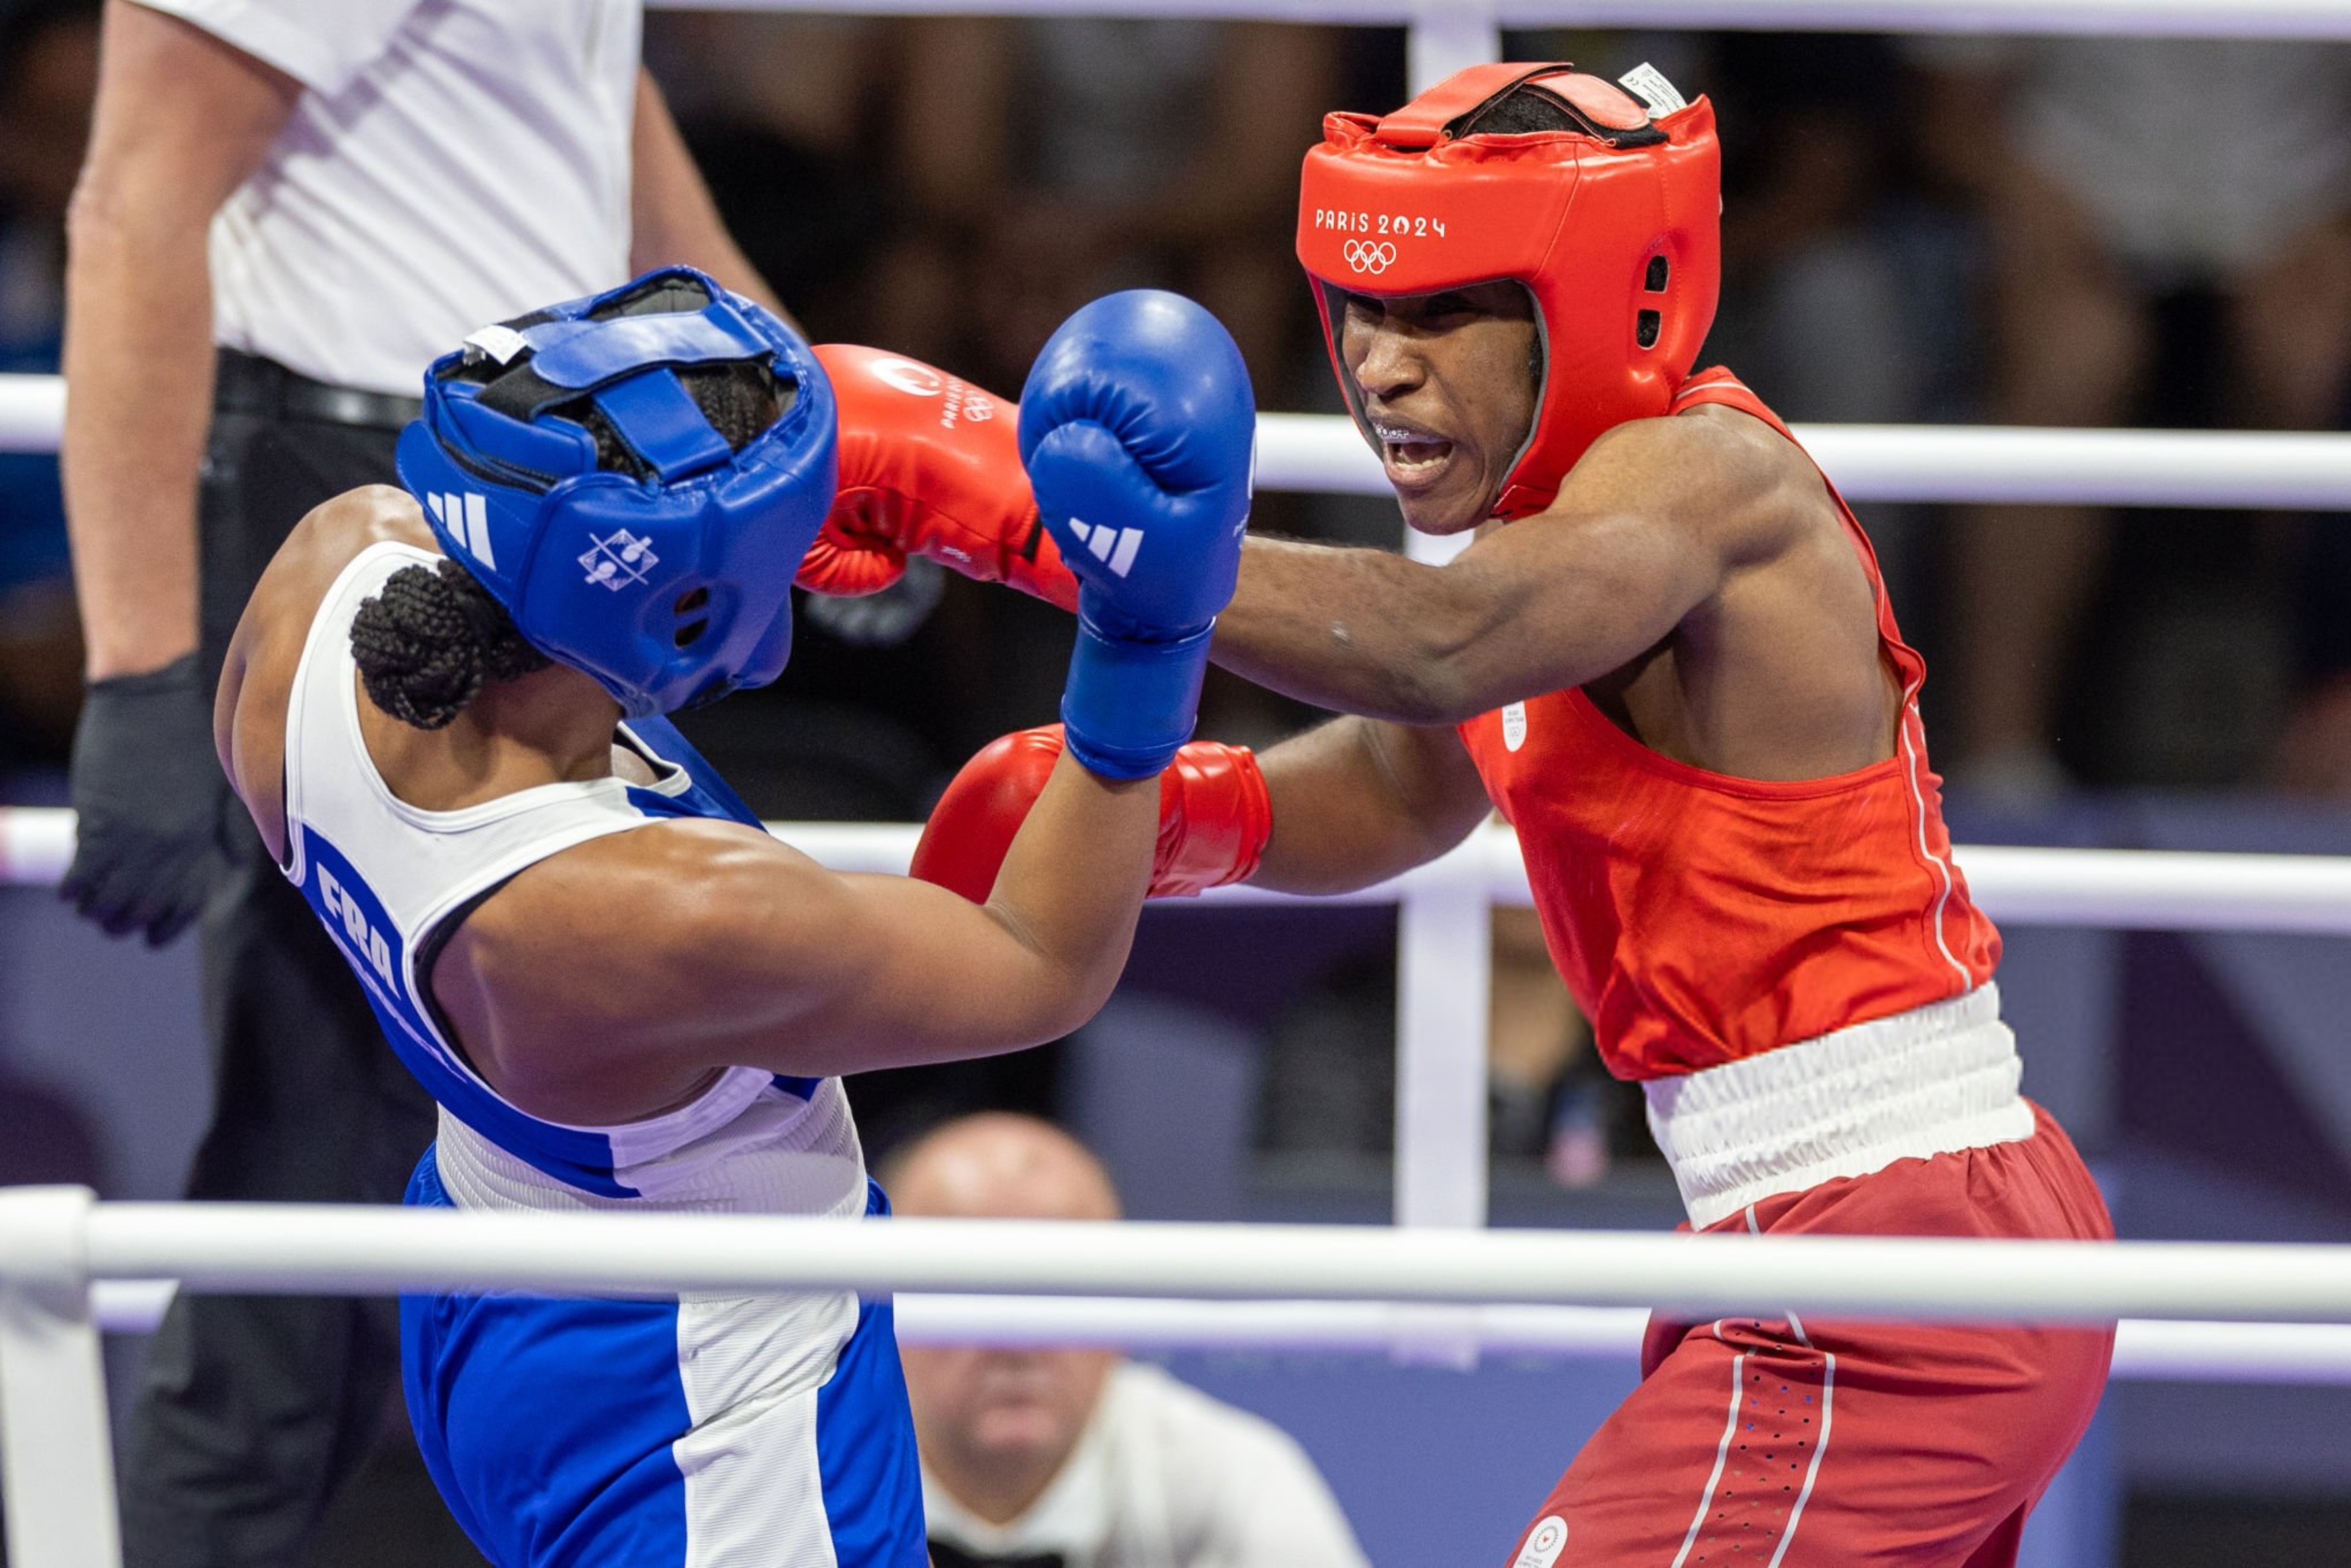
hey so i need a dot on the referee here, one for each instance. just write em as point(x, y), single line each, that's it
point(287, 208)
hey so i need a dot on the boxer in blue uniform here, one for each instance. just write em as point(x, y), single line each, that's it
point(442, 710)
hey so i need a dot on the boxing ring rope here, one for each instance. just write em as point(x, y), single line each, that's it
point(2017, 464)
point(2145, 1349)
point(2137, 18)
point(2120, 890)
point(50, 1234)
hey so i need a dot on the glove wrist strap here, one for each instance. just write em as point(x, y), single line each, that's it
point(1226, 820)
point(1130, 703)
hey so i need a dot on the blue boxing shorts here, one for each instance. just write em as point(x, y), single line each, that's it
point(724, 1432)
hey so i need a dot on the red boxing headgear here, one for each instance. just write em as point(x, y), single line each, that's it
point(1613, 226)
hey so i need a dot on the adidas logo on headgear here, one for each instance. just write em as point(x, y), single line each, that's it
point(467, 517)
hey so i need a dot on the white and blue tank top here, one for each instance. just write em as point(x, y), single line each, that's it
point(392, 882)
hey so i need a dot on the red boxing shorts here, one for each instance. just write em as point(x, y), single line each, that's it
point(1808, 1444)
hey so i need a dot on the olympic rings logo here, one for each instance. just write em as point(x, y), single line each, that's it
point(1365, 256)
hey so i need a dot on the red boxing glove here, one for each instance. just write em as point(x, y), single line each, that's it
point(930, 466)
point(1214, 816)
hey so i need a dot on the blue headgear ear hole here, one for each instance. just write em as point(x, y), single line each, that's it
point(634, 476)
point(690, 626)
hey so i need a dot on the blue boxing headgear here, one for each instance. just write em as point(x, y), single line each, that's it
point(569, 460)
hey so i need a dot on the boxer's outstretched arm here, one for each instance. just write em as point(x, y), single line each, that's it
point(1648, 528)
point(894, 972)
point(611, 979)
point(1359, 800)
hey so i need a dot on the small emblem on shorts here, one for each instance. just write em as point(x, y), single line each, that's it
point(1545, 1541)
point(618, 561)
point(1514, 726)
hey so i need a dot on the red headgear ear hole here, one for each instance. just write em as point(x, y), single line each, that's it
point(1644, 329)
point(1658, 272)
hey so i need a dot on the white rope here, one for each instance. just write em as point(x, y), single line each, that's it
point(2146, 890)
point(1322, 453)
point(2160, 890)
point(2145, 1349)
point(32, 412)
point(2144, 18)
point(2100, 467)
point(292, 1249)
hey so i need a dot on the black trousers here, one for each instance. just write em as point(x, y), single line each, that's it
point(254, 1409)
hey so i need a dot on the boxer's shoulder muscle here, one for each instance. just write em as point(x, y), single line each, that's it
point(1722, 478)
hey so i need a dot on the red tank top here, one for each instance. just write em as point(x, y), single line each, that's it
point(1700, 919)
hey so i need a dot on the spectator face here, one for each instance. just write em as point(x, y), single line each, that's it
point(1448, 385)
point(997, 1425)
point(1006, 1412)
point(45, 101)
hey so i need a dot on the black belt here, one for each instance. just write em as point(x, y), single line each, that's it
point(948, 1554)
point(246, 384)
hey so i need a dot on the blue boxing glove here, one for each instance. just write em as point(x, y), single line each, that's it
point(1139, 432)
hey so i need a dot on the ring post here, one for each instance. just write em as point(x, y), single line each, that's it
point(1444, 956)
point(1447, 36)
point(57, 1455)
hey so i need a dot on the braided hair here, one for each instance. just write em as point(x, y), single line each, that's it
point(425, 644)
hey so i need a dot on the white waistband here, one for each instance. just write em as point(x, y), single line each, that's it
point(1933, 1081)
point(777, 1156)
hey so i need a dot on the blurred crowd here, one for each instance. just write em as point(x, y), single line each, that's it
point(2058, 232)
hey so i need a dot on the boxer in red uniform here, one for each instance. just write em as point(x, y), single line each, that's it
point(1669, 659)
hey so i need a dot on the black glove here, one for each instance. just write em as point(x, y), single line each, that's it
point(149, 797)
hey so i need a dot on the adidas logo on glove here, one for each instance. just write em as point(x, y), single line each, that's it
point(1115, 546)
